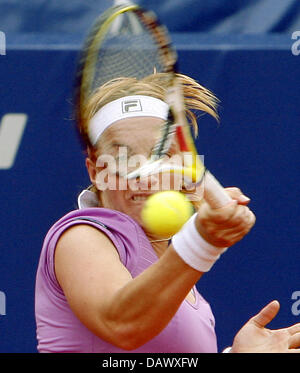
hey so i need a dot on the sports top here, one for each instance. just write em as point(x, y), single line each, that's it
point(191, 330)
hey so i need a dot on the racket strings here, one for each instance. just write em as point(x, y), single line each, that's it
point(167, 54)
point(127, 50)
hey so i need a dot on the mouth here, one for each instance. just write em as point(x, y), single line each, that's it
point(140, 197)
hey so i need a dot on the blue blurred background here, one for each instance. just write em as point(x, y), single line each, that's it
point(248, 54)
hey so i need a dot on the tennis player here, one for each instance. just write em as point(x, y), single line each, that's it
point(105, 284)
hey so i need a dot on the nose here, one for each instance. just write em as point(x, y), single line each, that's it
point(150, 183)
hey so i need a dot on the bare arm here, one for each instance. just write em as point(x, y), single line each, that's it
point(101, 292)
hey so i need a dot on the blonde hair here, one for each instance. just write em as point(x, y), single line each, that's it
point(198, 99)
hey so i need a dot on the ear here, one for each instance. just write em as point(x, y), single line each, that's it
point(91, 168)
point(93, 171)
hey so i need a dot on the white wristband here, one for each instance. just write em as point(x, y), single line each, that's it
point(193, 249)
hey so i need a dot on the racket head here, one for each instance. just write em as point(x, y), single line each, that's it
point(125, 41)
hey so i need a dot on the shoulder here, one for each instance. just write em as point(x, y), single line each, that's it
point(82, 249)
point(106, 218)
point(111, 222)
point(120, 229)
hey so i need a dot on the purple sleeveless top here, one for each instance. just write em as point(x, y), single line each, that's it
point(58, 330)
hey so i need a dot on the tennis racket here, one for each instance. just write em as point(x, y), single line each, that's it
point(128, 41)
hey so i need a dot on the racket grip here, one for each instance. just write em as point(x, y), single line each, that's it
point(214, 193)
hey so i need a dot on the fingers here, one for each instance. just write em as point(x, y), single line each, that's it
point(266, 315)
point(225, 226)
point(234, 217)
point(236, 194)
point(294, 351)
point(294, 341)
point(293, 329)
point(221, 215)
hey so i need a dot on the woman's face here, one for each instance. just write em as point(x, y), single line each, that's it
point(127, 143)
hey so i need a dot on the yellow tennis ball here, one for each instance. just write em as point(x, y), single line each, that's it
point(164, 213)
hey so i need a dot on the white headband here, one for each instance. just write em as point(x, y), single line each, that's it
point(125, 107)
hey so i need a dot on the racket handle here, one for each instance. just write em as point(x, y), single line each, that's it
point(214, 193)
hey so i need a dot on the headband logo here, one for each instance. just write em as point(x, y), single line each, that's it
point(131, 106)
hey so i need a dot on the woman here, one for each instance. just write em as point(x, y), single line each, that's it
point(106, 284)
